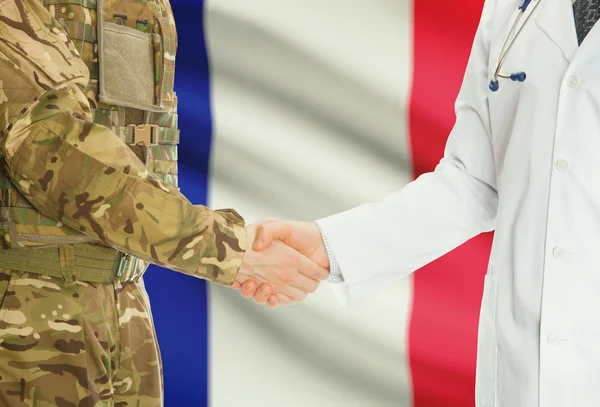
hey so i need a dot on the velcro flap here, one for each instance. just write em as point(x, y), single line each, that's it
point(126, 67)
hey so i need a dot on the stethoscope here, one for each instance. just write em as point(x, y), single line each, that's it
point(507, 45)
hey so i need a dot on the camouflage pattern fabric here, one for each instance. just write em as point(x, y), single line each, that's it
point(68, 176)
point(80, 173)
point(82, 345)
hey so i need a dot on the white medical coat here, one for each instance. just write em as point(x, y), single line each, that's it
point(524, 161)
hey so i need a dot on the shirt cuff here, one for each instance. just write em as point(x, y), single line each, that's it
point(335, 274)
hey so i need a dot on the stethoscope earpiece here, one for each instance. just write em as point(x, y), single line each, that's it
point(494, 86)
point(518, 76)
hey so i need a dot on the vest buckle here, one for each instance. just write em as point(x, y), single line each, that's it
point(125, 269)
point(144, 134)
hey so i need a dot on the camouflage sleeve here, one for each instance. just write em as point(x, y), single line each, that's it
point(81, 173)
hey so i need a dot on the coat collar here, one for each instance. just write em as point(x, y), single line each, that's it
point(555, 18)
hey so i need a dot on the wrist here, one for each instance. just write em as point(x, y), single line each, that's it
point(245, 268)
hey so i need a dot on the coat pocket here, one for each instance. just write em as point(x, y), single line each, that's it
point(485, 383)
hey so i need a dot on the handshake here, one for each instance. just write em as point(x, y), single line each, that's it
point(284, 262)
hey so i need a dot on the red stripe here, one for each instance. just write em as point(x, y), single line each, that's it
point(447, 293)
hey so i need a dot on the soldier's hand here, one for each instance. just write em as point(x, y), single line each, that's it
point(286, 275)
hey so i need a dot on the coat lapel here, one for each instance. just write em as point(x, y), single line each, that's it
point(555, 18)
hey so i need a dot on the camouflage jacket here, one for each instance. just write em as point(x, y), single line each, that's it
point(80, 173)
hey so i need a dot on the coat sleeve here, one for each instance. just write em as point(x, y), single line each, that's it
point(81, 173)
point(434, 214)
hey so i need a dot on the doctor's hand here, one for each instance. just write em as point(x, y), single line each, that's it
point(305, 237)
point(287, 275)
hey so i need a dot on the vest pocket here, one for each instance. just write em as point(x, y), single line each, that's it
point(136, 64)
point(485, 383)
point(126, 67)
point(165, 48)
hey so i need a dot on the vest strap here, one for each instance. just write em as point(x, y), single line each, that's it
point(93, 68)
point(66, 254)
point(80, 31)
point(91, 263)
point(147, 134)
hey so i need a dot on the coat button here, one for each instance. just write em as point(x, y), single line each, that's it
point(71, 15)
point(559, 252)
point(573, 81)
point(562, 165)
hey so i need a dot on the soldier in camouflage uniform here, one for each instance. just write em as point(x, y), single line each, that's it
point(89, 197)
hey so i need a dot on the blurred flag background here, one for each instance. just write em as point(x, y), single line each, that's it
point(301, 109)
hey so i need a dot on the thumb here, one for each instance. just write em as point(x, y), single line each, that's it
point(266, 233)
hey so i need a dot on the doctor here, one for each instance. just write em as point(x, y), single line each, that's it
point(523, 159)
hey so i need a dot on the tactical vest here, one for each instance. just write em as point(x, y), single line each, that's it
point(129, 47)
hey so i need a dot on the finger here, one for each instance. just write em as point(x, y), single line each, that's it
point(266, 233)
point(236, 285)
point(273, 301)
point(248, 288)
point(312, 270)
point(294, 294)
point(263, 293)
point(261, 245)
point(303, 283)
point(283, 299)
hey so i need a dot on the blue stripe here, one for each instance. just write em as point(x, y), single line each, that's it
point(179, 302)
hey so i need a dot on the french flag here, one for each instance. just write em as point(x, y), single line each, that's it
point(298, 110)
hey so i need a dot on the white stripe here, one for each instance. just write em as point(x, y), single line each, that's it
point(309, 104)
